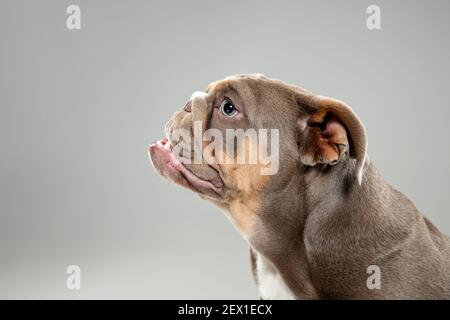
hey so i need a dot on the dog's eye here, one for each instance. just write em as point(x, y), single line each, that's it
point(228, 109)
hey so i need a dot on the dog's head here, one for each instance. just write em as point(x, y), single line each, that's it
point(247, 136)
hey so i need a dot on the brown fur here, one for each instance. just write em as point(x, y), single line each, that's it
point(328, 214)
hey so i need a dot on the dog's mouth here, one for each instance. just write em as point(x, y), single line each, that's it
point(169, 166)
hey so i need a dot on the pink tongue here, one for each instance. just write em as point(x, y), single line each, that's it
point(164, 141)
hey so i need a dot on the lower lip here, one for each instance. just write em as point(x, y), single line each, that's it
point(168, 165)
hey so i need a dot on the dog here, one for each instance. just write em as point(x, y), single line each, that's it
point(326, 225)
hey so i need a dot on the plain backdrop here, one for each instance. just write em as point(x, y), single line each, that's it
point(79, 108)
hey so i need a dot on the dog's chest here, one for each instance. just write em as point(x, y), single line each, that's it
point(270, 284)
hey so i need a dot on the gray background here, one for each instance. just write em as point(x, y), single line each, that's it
point(79, 108)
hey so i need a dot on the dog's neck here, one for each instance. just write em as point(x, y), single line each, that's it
point(336, 190)
point(321, 194)
point(328, 188)
point(312, 190)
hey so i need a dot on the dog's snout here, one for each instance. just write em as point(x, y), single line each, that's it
point(188, 106)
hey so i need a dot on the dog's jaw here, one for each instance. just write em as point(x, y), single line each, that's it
point(169, 166)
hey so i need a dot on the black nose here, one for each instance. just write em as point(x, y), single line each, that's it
point(188, 106)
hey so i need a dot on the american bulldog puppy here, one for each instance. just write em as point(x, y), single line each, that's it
point(321, 220)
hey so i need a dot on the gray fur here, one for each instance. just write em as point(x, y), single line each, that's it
point(322, 225)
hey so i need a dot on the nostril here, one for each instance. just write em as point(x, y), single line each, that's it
point(188, 106)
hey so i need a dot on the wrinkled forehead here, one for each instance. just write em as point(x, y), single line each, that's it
point(240, 88)
point(245, 90)
point(265, 103)
point(248, 85)
point(253, 93)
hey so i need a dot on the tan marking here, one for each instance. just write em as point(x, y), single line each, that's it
point(244, 214)
point(323, 145)
point(246, 185)
point(318, 116)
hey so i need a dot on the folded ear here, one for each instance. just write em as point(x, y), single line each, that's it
point(330, 131)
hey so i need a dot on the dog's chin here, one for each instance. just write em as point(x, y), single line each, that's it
point(169, 166)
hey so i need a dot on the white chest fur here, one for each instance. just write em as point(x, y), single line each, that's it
point(270, 284)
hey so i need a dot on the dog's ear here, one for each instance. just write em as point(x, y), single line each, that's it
point(329, 131)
